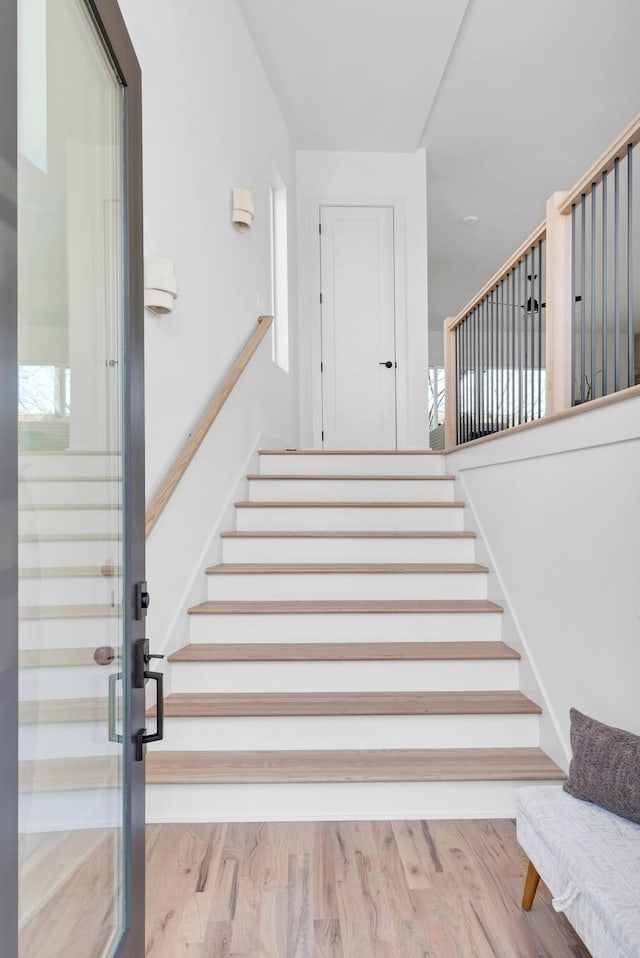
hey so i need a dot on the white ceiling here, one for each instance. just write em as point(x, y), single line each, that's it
point(520, 98)
point(354, 74)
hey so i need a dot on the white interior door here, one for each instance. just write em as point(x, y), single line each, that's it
point(358, 327)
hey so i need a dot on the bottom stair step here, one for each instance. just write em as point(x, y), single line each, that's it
point(373, 765)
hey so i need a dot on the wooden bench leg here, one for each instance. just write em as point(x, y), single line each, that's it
point(530, 887)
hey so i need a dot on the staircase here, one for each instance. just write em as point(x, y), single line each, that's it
point(347, 663)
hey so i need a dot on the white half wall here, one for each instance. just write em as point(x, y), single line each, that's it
point(558, 508)
point(210, 122)
point(367, 179)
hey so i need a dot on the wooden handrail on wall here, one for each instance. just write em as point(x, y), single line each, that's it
point(209, 416)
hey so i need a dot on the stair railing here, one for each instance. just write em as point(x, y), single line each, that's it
point(554, 327)
point(207, 419)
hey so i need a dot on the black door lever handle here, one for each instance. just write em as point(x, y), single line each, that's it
point(388, 364)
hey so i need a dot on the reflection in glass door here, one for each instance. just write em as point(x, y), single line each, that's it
point(74, 633)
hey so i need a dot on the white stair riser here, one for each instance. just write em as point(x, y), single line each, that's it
point(367, 519)
point(70, 492)
point(344, 801)
point(351, 732)
point(67, 811)
point(354, 627)
point(301, 586)
point(70, 633)
point(94, 553)
point(347, 550)
point(94, 521)
point(77, 465)
point(440, 676)
point(81, 682)
point(360, 465)
point(63, 590)
point(351, 490)
point(65, 740)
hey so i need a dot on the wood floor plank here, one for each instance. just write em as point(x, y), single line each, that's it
point(299, 923)
point(211, 704)
point(345, 568)
point(469, 908)
point(374, 765)
point(348, 607)
point(344, 652)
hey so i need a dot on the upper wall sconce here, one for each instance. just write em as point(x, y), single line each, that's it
point(160, 285)
point(242, 209)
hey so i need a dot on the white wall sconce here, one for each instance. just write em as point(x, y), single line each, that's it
point(242, 208)
point(160, 285)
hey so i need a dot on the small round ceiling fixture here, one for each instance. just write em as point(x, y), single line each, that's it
point(470, 220)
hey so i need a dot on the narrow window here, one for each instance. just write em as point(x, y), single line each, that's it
point(280, 276)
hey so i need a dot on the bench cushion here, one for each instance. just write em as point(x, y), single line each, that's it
point(590, 860)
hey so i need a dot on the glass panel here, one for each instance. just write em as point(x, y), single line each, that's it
point(70, 294)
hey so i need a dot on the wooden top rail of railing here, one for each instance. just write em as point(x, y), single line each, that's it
point(630, 136)
point(538, 234)
point(209, 416)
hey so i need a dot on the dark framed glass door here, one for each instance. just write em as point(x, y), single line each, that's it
point(71, 483)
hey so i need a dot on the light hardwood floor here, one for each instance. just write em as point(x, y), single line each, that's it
point(439, 889)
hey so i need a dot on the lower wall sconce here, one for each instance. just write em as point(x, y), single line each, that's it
point(160, 285)
point(242, 208)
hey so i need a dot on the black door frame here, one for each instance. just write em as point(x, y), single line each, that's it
point(112, 27)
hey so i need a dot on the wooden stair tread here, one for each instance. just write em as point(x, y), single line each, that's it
point(71, 506)
point(69, 612)
point(348, 606)
point(48, 711)
point(70, 774)
point(367, 765)
point(31, 479)
point(70, 537)
point(217, 704)
point(343, 652)
point(234, 534)
point(350, 452)
point(71, 572)
point(261, 477)
point(250, 504)
point(348, 568)
point(58, 658)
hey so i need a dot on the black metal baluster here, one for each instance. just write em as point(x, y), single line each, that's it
point(541, 253)
point(525, 336)
point(458, 391)
point(513, 347)
point(605, 283)
point(573, 305)
point(630, 357)
point(592, 304)
point(583, 292)
point(616, 273)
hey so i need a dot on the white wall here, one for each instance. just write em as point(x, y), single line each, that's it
point(368, 179)
point(558, 509)
point(210, 122)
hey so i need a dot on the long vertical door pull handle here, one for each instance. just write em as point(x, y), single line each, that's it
point(114, 735)
point(142, 738)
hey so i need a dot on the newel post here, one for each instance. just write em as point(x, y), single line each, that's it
point(559, 346)
point(450, 384)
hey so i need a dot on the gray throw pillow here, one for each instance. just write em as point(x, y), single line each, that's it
point(605, 767)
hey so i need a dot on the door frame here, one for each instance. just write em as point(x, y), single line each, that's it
point(394, 270)
point(111, 24)
point(407, 433)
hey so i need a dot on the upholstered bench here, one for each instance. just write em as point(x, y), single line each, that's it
point(589, 859)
